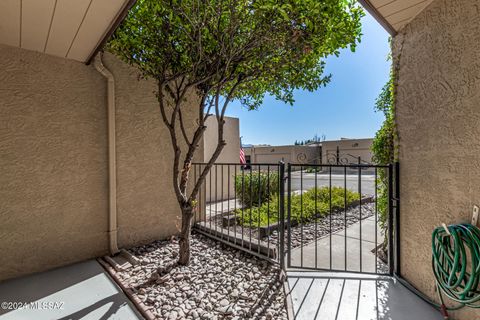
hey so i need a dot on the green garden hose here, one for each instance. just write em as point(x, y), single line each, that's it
point(456, 264)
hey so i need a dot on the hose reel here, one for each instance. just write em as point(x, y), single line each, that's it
point(456, 264)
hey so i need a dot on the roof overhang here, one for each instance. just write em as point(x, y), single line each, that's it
point(393, 15)
point(69, 29)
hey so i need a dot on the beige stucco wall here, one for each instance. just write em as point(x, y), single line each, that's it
point(53, 162)
point(287, 154)
point(349, 150)
point(230, 154)
point(438, 117)
point(231, 135)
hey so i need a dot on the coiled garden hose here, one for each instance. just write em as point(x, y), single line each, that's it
point(456, 265)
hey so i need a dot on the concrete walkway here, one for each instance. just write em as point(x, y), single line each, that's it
point(345, 250)
point(80, 291)
point(220, 207)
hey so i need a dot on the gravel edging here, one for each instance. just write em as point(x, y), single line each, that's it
point(128, 292)
point(220, 283)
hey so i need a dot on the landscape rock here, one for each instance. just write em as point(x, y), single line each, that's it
point(220, 282)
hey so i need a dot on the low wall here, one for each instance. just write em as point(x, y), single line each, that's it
point(349, 151)
point(288, 154)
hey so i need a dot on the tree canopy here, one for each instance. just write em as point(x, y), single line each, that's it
point(256, 47)
point(228, 50)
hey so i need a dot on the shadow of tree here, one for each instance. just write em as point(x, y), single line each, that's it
point(117, 303)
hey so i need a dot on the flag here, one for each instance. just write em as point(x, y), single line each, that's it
point(242, 156)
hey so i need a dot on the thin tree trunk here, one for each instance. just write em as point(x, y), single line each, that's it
point(184, 251)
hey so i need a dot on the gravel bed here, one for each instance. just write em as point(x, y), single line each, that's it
point(312, 231)
point(219, 283)
point(308, 229)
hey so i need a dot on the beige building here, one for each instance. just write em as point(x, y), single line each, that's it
point(287, 154)
point(346, 150)
point(85, 160)
point(231, 134)
point(222, 187)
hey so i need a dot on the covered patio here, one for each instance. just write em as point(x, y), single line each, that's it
point(74, 122)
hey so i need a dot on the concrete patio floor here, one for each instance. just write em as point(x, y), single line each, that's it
point(342, 296)
point(79, 291)
point(345, 296)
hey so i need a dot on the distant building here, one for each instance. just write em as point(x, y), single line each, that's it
point(288, 154)
point(343, 151)
point(219, 175)
point(347, 151)
point(231, 135)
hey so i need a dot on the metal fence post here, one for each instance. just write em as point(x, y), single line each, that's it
point(397, 218)
point(390, 220)
point(282, 214)
point(289, 231)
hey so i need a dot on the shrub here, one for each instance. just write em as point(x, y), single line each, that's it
point(254, 188)
point(383, 147)
point(312, 169)
point(312, 204)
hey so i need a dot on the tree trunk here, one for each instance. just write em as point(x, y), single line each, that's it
point(184, 251)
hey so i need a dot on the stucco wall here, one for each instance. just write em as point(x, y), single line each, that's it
point(146, 204)
point(287, 154)
point(54, 166)
point(438, 117)
point(349, 150)
point(230, 154)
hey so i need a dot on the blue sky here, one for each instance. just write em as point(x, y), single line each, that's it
point(345, 108)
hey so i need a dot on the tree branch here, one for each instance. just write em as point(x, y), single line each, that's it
point(176, 150)
point(182, 127)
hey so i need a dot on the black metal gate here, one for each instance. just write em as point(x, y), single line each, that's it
point(334, 217)
point(340, 217)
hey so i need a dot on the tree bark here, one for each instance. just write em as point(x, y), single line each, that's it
point(184, 250)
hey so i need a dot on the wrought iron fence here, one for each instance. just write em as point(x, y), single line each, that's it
point(334, 217)
point(244, 207)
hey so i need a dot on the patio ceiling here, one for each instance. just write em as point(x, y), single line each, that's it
point(63, 28)
point(393, 15)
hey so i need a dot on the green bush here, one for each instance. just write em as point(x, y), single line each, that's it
point(383, 146)
point(384, 149)
point(254, 188)
point(312, 169)
point(312, 204)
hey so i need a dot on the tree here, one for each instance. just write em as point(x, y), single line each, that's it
point(316, 139)
point(224, 50)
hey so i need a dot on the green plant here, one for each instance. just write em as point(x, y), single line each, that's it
point(312, 204)
point(256, 187)
point(312, 169)
point(383, 146)
point(204, 54)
